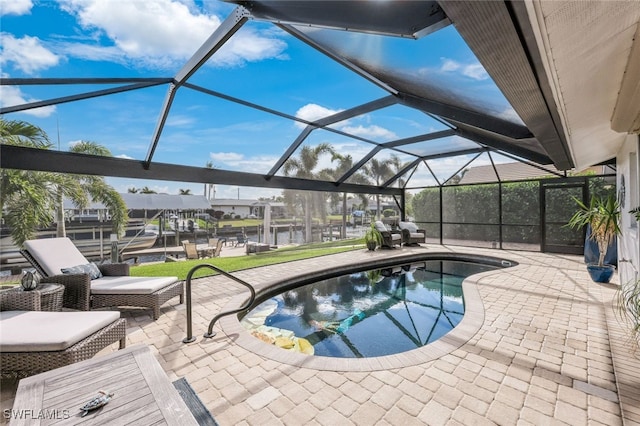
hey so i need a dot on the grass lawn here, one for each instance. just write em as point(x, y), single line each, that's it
point(230, 264)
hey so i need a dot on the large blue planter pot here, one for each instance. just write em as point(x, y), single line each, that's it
point(601, 274)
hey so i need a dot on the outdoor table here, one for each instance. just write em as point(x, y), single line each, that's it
point(142, 393)
point(50, 295)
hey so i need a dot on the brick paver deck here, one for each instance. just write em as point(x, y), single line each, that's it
point(546, 348)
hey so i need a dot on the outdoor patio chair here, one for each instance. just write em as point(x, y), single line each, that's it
point(216, 243)
point(86, 286)
point(241, 239)
point(191, 250)
point(389, 238)
point(411, 235)
point(33, 341)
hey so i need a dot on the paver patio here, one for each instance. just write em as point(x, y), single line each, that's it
point(548, 350)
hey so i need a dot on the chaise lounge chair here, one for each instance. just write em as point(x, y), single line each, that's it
point(33, 341)
point(59, 261)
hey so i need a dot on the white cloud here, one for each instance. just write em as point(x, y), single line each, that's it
point(11, 95)
point(180, 121)
point(158, 33)
point(373, 131)
point(475, 71)
point(226, 157)
point(313, 112)
point(449, 65)
point(511, 115)
point(27, 53)
point(125, 156)
point(15, 7)
point(238, 162)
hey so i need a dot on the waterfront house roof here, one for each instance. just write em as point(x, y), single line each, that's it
point(154, 202)
point(222, 202)
point(506, 172)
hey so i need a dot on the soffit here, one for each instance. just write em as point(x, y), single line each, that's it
point(586, 46)
point(414, 19)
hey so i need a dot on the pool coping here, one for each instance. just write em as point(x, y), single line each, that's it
point(468, 327)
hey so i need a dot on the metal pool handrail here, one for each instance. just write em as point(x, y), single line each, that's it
point(210, 333)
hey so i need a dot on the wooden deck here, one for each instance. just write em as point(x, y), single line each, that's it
point(176, 251)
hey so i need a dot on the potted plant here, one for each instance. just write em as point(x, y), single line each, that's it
point(629, 306)
point(603, 216)
point(636, 213)
point(372, 238)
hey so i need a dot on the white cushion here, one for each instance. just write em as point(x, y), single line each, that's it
point(53, 254)
point(416, 235)
point(409, 226)
point(41, 331)
point(380, 226)
point(130, 285)
point(396, 237)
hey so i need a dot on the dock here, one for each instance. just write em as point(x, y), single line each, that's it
point(170, 251)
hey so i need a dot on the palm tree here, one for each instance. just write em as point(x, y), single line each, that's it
point(82, 187)
point(396, 166)
point(25, 203)
point(28, 198)
point(185, 191)
point(345, 163)
point(378, 172)
point(132, 190)
point(147, 190)
point(304, 167)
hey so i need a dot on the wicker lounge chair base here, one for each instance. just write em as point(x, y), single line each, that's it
point(22, 364)
point(152, 301)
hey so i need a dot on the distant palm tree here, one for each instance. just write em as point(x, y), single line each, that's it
point(304, 167)
point(396, 166)
point(345, 163)
point(132, 190)
point(185, 192)
point(147, 190)
point(28, 199)
point(208, 187)
point(378, 171)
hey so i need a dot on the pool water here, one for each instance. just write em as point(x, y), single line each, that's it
point(367, 313)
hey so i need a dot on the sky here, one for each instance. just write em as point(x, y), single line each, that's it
point(260, 64)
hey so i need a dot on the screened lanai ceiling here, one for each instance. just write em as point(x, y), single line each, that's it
point(435, 85)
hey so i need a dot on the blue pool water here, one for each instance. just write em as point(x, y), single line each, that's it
point(368, 313)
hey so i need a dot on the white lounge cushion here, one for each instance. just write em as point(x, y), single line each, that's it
point(53, 254)
point(43, 331)
point(395, 237)
point(380, 226)
point(130, 285)
point(409, 226)
point(416, 235)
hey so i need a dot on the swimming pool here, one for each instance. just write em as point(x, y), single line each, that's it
point(369, 313)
